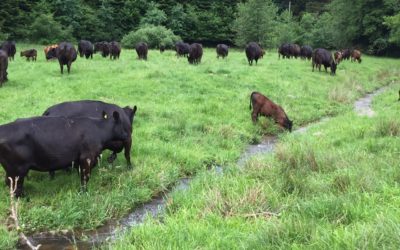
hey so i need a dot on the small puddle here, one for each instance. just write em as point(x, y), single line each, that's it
point(85, 240)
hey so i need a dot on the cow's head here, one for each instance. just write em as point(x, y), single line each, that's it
point(118, 131)
point(288, 124)
point(130, 112)
point(333, 67)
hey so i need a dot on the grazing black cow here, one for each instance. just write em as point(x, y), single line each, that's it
point(66, 55)
point(89, 108)
point(306, 52)
point(162, 48)
point(284, 50)
point(30, 53)
point(222, 50)
point(115, 50)
point(182, 49)
point(254, 52)
point(103, 47)
point(295, 50)
point(3, 67)
point(264, 106)
point(141, 50)
point(323, 57)
point(9, 48)
point(346, 53)
point(85, 48)
point(52, 143)
point(195, 53)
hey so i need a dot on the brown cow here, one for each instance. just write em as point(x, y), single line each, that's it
point(356, 56)
point(264, 106)
point(30, 53)
point(338, 56)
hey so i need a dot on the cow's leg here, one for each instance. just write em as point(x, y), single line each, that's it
point(62, 68)
point(127, 152)
point(326, 69)
point(112, 157)
point(69, 66)
point(85, 167)
point(51, 174)
point(313, 65)
point(254, 115)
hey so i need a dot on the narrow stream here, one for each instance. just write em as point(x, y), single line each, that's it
point(86, 240)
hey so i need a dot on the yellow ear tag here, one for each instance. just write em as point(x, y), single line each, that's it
point(105, 116)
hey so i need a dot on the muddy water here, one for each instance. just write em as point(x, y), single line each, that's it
point(91, 239)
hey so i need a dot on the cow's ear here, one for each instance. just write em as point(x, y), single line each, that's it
point(116, 116)
point(104, 115)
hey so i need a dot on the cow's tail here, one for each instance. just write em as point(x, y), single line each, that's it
point(251, 98)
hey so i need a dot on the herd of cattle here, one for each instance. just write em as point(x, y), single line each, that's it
point(66, 53)
point(86, 128)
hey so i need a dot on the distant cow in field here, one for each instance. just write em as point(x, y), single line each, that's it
point(254, 52)
point(51, 143)
point(346, 54)
point(338, 56)
point(162, 48)
point(50, 52)
point(3, 67)
point(195, 53)
point(306, 52)
point(284, 51)
point(9, 48)
point(115, 50)
point(294, 50)
point(85, 48)
point(265, 107)
point(141, 50)
point(182, 49)
point(323, 57)
point(66, 55)
point(222, 50)
point(103, 47)
point(29, 54)
point(356, 56)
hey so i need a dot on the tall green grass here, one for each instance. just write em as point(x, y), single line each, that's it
point(334, 187)
point(189, 118)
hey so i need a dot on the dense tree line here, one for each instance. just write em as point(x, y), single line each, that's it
point(369, 24)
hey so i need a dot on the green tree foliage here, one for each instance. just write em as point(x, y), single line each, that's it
point(46, 30)
point(371, 25)
point(154, 16)
point(285, 31)
point(255, 22)
point(154, 36)
point(393, 22)
point(305, 29)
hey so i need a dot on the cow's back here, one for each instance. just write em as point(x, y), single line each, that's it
point(88, 108)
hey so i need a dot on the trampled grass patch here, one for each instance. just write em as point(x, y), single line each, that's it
point(190, 118)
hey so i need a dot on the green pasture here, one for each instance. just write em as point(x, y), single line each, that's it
point(191, 118)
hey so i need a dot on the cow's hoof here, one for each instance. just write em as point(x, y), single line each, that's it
point(111, 158)
point(130, 166)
